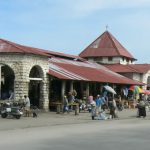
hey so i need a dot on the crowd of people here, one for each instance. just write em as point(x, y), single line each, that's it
point(103, 107)
point(96, 106)
point(100, 104)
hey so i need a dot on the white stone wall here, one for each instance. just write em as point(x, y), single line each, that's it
point(115, 60)
point(138, 77)
point(105, 60)
point(22, 64)
point(145, 78)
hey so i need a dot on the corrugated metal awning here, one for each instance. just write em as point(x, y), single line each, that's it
point(85, 71)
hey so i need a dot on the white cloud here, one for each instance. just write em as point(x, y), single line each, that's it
point(138, 20)
point(86, 7)
point(68, 8)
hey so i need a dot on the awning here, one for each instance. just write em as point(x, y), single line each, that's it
point(86, 71)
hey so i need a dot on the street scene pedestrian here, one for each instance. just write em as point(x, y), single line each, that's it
point(65, 105)
point(27, 105)
point(141, 112)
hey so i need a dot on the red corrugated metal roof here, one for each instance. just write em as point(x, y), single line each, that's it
point(141, 68)
point(11, 47)
point(105, 45)
point(58, 54)
point(85, 71)
point(138, 68)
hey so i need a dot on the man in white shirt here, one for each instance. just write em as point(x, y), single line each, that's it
point(27, 105)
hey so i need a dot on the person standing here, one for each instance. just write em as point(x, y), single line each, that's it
point(141, 109)
point(27, 105)
point(112, 107)
point(99, 103)
point(66, 105)
point(93, 109)
point(11, 93)
point(90, 99)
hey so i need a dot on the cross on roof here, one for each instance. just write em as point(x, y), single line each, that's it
point(107, 27)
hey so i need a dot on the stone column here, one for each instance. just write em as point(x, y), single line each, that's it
point(21, 89)
point(44, 100)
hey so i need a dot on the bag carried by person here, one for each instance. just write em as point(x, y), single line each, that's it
point(66, 108)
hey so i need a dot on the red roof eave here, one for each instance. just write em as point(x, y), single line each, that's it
point(74, 72)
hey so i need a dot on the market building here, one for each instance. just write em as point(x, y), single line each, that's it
point(46, 76)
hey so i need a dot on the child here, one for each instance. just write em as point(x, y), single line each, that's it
point(35, 112)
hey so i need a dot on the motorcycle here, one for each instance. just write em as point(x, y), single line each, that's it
point(10, 110)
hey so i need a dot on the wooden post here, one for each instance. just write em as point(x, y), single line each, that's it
point(87, 89)
point(71, 86)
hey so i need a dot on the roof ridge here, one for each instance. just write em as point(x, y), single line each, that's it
point(24, 49)
point(13, 44)
point(114, 42)
point(39, 51)
point(110, 36)
point(91, 44)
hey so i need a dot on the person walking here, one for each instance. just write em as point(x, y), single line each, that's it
point(99, 103)
point(27, 105)
point(93, 109)
point(112, 108)
point(66, 105)
point(141, 109)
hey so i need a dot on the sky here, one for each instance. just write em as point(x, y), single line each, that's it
point(69, 26)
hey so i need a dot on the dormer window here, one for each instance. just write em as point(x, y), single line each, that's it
point(98, 59)
point(110, 58)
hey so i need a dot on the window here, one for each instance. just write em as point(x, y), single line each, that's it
point(97, 59)
point(110, 58)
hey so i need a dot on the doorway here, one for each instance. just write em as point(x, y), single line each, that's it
point(35, 85)
point(7, 82)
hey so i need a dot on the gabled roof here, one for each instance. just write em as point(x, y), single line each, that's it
point(105, 45)
point(130, 68)
point(11, 47)
point(85, 71)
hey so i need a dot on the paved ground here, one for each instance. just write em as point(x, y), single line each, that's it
point(64, 132)
point(53, 119)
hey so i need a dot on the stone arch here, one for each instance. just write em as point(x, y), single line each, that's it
point(7, 79)
point(36, 77)
point(36, 72)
